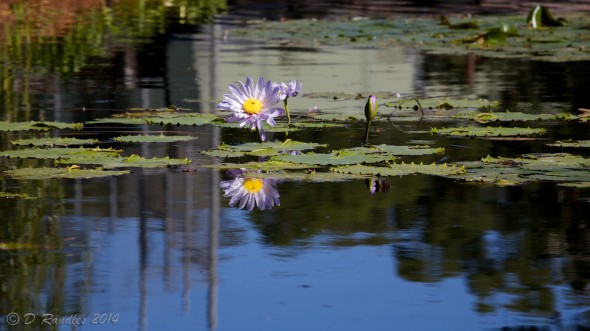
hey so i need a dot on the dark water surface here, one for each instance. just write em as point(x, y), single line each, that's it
point(162, 249)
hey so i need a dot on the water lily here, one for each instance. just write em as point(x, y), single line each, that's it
point(286, 90)
point(371, 108)
point(252, 103)
point(247, 192)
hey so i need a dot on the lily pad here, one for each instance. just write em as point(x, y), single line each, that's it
point(190, 119)
point(54, 141)
point(557, 167)
point(573, 144)
point(8, 195)
point(133, 161)
point(472, 131)
point(408, 150)
point(512, 116)
point(443, 103)
point(315, 177)
point(401, 169)
point(153, 139)
point(118, 120)
point(340, 157)
point(262, 149)
point(60, 153)
point(271, 165)
point(73, 173)
point(39, 126)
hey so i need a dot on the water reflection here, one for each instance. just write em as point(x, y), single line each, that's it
point(377, 184)
point(247, 192)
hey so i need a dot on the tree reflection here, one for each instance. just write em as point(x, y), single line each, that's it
point(247, 192)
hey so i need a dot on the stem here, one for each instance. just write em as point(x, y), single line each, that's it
point(367, 132)
point(287, 111)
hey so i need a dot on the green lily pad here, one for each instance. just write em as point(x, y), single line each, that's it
point(8, 195)
point(443, 103)
point(271, 165)
point(576, 184)
point(54, 141)
point(262, 149)
point(512, 116)
point(335, 158)
point(408, 150)
point(472, 131)
point(401, 169)
point(190, 119)
point(133, 161)
point(153, 139)
point(72, 173)
point(39, 126)
point(118, 120)
point(574, 144)
point(339, 117)
point(314, 177)
point(556, 167)
point(60, 153)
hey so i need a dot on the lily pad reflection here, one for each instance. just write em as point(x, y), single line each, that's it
point(246, 192)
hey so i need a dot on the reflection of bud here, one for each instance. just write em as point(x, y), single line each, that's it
point(371, 108)
point(377, 185)
point(248, 192)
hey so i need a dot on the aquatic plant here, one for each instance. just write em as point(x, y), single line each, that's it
point(286, 90)
point(252, 103)
point(371, 108)
point(248, 192)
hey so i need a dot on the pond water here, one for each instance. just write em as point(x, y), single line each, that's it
point(162, 249)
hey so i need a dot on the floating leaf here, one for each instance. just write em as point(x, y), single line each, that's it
point(557, 167)
point(576, 144)
point(54, 141)
point(118, 120)
point(133, 161)
point(576, 184)
point(45, 173)
point(153, 139)
point(512, 116)
point(409, 150)
point(443, 103)
point(262, 149)
point(40, 126)
point(60, 153)
point(487, 131)
point(339, 117)
point(8, 195)
point(271, 165)
point(191, 119)
point(315, 177)
point(335, 158)
point(401, 169)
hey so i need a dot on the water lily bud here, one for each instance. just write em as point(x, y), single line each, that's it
point(371, 108)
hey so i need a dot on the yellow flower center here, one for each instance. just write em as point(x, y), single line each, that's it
point(252, 106)
point(253, 185)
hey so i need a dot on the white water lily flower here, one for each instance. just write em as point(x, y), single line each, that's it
point(252, 104)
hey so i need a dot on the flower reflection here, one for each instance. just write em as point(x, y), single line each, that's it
point(379, 184)
point(247, 192)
